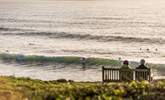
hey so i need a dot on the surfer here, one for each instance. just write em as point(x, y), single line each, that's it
point(83, 61)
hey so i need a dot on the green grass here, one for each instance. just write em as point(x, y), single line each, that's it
point(25, 88)
point(62, 59)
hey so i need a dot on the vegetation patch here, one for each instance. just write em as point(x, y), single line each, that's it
point(13, 88)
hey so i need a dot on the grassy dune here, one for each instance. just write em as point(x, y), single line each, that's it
point(62, 59)
point(12, 88)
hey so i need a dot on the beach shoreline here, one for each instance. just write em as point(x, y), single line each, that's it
point(63, 67)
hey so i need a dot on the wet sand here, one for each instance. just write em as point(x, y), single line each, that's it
point(52, 72)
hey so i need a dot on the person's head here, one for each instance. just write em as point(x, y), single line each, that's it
point(142, 61)
point(125, 62)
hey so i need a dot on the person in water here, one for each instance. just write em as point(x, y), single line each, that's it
point(83, 61)
point(142, 65)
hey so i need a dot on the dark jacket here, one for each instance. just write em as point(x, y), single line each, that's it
point(141, 67)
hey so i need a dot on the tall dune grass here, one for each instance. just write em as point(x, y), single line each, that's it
point(28, 89)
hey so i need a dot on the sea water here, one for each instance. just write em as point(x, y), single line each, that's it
point(126, 29)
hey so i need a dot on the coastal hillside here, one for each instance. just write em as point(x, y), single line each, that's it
point(12, 88)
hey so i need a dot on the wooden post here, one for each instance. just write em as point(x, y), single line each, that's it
point(102, 73)
point(149, 74)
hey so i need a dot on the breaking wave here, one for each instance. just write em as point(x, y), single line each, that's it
point(99, 38)
point(9, 30)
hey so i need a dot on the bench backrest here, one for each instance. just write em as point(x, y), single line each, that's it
point(142, 74)
point(116, 74)
point(126, 74)
point(110, 74)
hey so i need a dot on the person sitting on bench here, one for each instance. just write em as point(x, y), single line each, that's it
point(125, 65)
point(141, 75)
point(142, 65)
point(126, 73)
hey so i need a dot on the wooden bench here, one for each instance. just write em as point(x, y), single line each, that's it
point(116, 74)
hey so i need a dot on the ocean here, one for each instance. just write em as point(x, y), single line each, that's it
point(126, 29)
